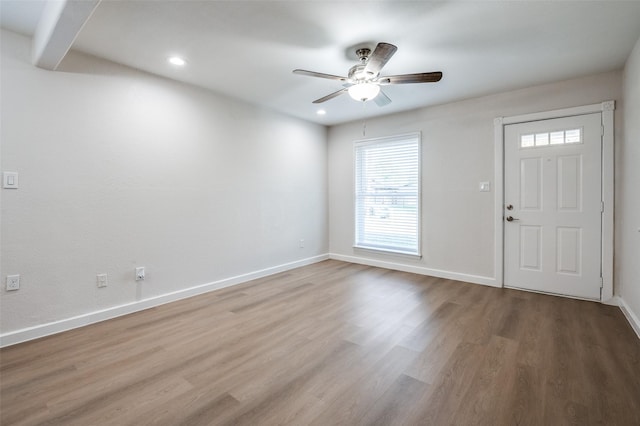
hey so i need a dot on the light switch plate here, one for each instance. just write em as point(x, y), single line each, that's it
point(485, 186)
point(10, 180)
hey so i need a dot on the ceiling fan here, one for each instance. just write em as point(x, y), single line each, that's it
point(363, 81)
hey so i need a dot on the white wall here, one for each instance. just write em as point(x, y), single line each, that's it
point(627, 259)
point(120, 169)
point(458, 153)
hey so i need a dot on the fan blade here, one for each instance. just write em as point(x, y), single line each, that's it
point(320, 75)
point(422, 77)
point(382, 99)
point(330, 96)
point(380, 56)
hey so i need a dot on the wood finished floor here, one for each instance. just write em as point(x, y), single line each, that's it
point(335, 344)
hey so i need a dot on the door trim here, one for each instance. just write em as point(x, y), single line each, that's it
point(606, 110)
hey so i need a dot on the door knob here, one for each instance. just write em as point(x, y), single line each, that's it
point(511, 219)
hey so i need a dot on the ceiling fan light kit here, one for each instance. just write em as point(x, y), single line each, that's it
point(364, 91)
point(364, 80)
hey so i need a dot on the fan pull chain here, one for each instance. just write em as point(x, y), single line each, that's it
point(364, 119)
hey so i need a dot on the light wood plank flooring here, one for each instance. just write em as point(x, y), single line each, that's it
point(335, 344)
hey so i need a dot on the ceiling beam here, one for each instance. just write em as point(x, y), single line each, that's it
point(59, 25)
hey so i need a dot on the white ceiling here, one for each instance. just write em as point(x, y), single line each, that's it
point(247, 49)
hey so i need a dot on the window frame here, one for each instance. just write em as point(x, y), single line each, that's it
point(415, 137)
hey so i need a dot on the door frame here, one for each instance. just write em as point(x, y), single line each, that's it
point(606, 110)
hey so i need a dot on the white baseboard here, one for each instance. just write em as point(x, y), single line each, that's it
point(475, 279)
point(630, 315)
point(66, 324)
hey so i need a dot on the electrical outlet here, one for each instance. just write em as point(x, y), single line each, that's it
point(13, 282)
point(301, 243)
point(140, 273)
point(101, 280)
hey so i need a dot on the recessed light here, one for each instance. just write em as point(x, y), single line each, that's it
point(175, 60)
point(321, 112)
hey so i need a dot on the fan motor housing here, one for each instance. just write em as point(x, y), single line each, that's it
point(357, 73)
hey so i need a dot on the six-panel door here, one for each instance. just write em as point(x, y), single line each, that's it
point(553, 196)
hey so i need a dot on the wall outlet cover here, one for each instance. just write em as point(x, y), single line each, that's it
point(101, 280)
point(13, 282)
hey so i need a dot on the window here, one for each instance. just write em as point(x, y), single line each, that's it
point(560, 137)
point(387, 193)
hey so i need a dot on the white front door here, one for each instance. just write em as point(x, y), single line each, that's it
point(553, 205)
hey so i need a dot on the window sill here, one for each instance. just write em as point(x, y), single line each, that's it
point(391, 252)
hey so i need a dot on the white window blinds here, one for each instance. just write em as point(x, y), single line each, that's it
point(387, 194)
